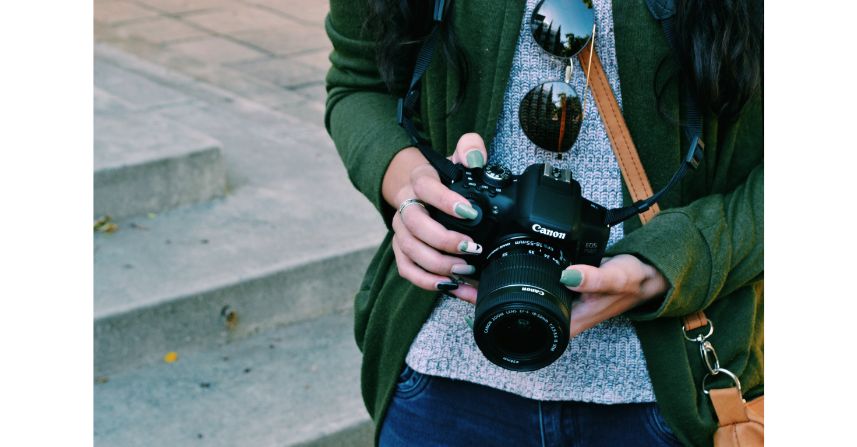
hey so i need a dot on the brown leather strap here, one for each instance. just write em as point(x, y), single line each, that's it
point(625, 150)
point(695, 321)
point(729, 406)
point(728, 402)
point(617, 130)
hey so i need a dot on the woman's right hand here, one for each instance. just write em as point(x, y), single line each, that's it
point(427, 254)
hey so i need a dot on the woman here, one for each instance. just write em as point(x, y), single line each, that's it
point(629, 377)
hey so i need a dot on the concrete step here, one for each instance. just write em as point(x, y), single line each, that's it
point(289, 242)
point(145, 162)
point(296, 386)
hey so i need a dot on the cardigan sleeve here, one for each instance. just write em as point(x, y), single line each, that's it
point(721, 247)
point(360, 114)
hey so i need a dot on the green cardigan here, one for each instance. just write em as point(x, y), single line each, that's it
point(707, 241)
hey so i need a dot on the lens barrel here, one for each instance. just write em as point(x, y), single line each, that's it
point(523, 311)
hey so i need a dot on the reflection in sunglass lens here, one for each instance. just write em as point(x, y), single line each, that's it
point(563, 27)
point(550, 116)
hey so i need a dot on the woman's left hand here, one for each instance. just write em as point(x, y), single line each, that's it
point(620, 284)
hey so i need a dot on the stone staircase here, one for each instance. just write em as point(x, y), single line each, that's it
point(223, 294)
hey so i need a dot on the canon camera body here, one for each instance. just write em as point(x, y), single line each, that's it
point(532, 226)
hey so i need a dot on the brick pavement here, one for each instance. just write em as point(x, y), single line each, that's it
point(273, 52)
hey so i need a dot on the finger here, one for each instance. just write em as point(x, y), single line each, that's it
point(470, 151)
point(420, 224)
point(589, 279)
point(416, 275)
point(620, 275)
point(427, 257)
point(465, 292)
point(428, 188)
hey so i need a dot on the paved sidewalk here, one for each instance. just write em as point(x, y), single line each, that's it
point(274, 52)
point(224, 320)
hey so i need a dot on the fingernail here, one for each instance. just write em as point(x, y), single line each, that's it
point(463, 269)
point(470, 247)
point(475, 159)
point(465, 210)
point(571, 277)
point(447, 285)
point(469, 322)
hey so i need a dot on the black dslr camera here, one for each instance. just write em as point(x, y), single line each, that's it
point(532, 226)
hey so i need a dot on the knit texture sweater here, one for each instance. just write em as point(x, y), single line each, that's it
point(604, 364)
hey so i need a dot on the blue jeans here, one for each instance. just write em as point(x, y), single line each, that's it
point(434, 411)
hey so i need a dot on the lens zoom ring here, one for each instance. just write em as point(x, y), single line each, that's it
point(522, 269)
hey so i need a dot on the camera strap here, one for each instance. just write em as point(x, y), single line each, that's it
point(408, 105)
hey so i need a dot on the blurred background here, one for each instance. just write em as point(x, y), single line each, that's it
point(228, 240)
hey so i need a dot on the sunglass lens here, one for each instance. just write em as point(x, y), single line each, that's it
point(551, 115)
point(563, 27)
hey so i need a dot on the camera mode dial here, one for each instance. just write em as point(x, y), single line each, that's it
point(496, 176)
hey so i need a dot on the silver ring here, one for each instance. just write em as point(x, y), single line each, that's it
point(407, 203)
point(726, 372)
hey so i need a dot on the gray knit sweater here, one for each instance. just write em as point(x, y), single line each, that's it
point(604, 364)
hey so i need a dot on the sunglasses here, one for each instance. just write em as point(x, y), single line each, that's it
point(551, 114)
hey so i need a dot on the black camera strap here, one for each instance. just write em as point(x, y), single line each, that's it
point(408, 105)
point(449, 172)
point(664, 12)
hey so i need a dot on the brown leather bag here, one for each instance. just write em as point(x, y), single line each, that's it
point(739, 423)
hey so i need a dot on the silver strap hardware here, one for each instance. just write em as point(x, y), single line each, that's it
point(709, 356)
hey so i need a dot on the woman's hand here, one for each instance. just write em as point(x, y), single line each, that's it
point(620, 284)
point(424, 249)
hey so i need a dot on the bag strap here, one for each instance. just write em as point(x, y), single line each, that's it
point(729, 406)
point(728, 402)
point(620, 138)
point(625, 151)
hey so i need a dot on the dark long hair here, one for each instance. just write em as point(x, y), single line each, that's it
point(719, 47)
point(720, 52)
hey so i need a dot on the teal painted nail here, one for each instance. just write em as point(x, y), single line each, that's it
point(465, 210)
point(475, 159)
point(571, 277)
point(469, 322)
point(463, 269)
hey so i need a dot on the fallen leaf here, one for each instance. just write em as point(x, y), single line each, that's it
point(171, 357)
point(105, 225)
point(101, 221)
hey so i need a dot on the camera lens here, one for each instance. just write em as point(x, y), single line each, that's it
point(523, 311)
point(518, 335)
